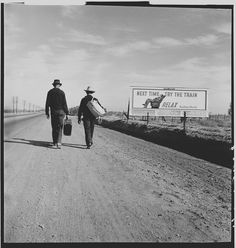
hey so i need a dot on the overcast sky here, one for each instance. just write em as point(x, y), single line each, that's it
point(113, 48)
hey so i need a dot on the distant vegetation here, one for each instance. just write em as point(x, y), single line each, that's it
point(74, 111)
point(114, 113)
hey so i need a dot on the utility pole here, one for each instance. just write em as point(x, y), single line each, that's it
point(23, 105)
point(184, 120)
point(13, 101)
point(128, 110)
point(16, 104)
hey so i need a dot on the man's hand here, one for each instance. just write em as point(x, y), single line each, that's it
point(79, 121)
point(47, 116)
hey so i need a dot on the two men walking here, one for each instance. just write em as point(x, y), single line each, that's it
point(56, 101)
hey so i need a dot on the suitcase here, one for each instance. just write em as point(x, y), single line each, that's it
point(67, 128)
point(95, 108)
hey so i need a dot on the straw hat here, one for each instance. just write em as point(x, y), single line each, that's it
point(89, 89)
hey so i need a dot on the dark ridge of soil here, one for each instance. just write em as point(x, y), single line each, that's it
point(214, 151)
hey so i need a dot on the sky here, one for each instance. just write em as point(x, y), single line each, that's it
point(113, 48)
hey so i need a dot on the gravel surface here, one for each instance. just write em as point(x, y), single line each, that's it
point(123, 189)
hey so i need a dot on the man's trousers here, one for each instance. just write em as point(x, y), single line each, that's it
point(57, 118)
point(88, 129)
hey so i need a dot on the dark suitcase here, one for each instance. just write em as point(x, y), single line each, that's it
point(67, 127)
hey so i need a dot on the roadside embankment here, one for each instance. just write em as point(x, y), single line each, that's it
point(210, 149)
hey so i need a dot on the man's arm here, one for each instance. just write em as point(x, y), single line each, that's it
point(99, 103)
point(47, 105)
point(65, 106)
point(80, 111)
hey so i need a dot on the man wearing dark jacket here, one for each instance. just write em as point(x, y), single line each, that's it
point(56, 101)
point(88, 117)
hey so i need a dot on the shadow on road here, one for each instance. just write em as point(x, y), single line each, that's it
point(30, 142)
point(75, 145)
point(42, 143)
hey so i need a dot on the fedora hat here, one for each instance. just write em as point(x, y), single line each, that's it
point(89, 89)
point(56, 81)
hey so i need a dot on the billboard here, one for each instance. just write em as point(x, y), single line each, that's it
point(157, 101)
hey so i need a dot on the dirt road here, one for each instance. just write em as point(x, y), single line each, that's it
point(123, 189)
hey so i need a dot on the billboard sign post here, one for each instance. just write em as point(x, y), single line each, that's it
point(163, 101)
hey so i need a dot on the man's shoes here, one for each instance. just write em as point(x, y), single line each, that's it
point(54, 146)
point(89, 145)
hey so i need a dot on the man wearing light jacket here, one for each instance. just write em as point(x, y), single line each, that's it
point(56, 101)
